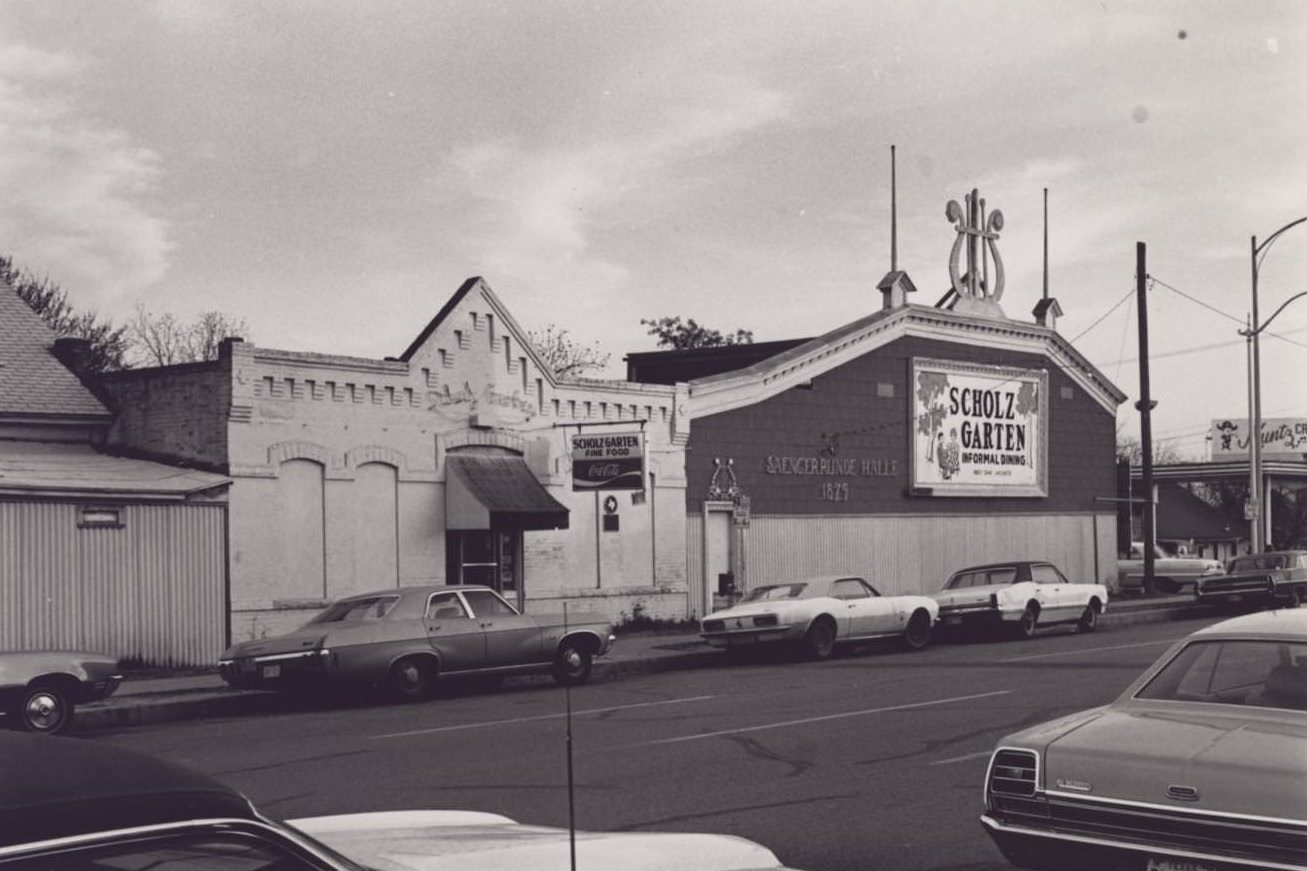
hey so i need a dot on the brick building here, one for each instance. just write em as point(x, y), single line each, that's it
point(449, 462)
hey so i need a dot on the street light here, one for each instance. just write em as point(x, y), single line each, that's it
point(1255, 399)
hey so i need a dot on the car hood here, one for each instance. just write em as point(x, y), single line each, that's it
point(1248, 763)
point(457, 840)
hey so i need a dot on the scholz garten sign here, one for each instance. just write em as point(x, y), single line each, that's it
point(611, 461)
point(978, 430)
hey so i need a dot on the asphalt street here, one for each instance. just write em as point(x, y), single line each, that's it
point(873, 759)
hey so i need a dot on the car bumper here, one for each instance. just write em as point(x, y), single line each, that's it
point(1053, 850)
point(979, 615)
point(752, 636)
point(276, 671)
point(100, 688)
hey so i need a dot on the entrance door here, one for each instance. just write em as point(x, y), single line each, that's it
point(716, 555)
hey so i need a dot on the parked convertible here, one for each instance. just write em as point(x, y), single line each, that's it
point(1019, 596)
point(1200, 764)
point(403, 639)
point(68, 805)
point(40, 689)
point(1272, 578)
point(818, 614)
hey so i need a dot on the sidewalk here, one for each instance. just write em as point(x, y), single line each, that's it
point(196, 695)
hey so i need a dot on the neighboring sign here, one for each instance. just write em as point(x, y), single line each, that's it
point(608, 461)
point(1283, 438)
point(978, 430)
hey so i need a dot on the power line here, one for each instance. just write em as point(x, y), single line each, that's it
point(1225, 315)
point(1129, 293)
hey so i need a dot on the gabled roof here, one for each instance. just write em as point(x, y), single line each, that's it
point(1182, 515)
point(449, 306)
point(33, 383)
point(718, 393)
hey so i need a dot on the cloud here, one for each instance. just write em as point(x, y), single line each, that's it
point(77, 190)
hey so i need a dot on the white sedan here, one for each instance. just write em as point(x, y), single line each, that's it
point(820, 613)
point(1020, 596)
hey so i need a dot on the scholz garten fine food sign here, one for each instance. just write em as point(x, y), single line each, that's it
point(978, 430)
point(611, 461)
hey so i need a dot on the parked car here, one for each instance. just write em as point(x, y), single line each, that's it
point(819, 614)
point(1200, 763)
point(1019, 596)
point(67, 804)
point(1171, 574)
point(40, 689)
point(404, 639)
point(1271, 578)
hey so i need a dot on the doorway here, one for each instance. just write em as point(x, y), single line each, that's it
point(489, 557)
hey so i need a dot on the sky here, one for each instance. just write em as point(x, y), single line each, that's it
point(332, 171)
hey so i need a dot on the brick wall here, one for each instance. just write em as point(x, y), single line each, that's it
point(865, 406)
point(176, 413)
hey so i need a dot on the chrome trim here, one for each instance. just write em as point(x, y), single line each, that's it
point(994, 825)
point(1170, 808)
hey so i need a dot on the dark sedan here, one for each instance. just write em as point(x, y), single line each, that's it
point(404, 639)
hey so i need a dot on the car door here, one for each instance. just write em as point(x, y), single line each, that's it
point(453, 633)
point(511, 638)
point(869, 613)
point(1058, 597)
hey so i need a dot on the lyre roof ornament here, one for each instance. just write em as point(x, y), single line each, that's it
point(976, 295)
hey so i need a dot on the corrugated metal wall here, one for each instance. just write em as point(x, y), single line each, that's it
point(911, 554)
point(153, 590)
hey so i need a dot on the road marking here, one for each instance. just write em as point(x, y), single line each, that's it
point(966, 758)
point(842, 716)
point(542, 717)
point(1090, 650)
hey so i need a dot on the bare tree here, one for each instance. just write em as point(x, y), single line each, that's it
point(164, 340)
point(109, 345)
point(1164, 452)
point(674, 334)
point(566, 355)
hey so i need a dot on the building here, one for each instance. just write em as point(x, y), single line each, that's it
point(97, 552)
point(902, 446)
point(450, 462)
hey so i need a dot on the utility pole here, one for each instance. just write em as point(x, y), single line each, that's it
point(1145, 406)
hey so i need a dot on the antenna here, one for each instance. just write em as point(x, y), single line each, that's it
point(571, 789)
point(1045, 243)
point(893, 213)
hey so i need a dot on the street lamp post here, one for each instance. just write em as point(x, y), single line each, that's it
point(1254, 331)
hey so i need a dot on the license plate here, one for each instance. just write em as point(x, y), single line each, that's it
point(743, 639)
point(953, 619)
point(1155, 864)
point(271, 671)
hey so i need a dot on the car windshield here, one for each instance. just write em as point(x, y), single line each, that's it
point(1259, 673)
point(1257, 563)
point(357, 610)
point(775, 591)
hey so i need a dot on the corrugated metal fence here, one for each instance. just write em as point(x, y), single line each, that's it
point(152, 589)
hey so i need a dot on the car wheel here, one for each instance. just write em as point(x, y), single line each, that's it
point(1028, 623)
point(45, 708)
point(410, 680)
point(1089, 619)
point(819, 640)
point(917, 634)
point(572, 665)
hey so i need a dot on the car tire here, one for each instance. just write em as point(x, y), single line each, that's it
point(1028, 623)
point(45, 708)
point(411, 679)
point(819, 640)
point(1088, 621)
point(916, 635)
point(572, 664)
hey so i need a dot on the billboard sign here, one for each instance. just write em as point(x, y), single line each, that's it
point(1283, 438)
point(608, 461)
point(978, 430)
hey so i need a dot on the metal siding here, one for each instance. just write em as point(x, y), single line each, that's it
point(914, 554)
point(151, 591)
point(694, 568)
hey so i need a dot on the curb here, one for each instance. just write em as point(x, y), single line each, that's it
point(198, 704)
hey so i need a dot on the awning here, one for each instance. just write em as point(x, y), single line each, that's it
point(482, 491)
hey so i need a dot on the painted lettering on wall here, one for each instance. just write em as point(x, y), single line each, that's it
point(832, 466)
